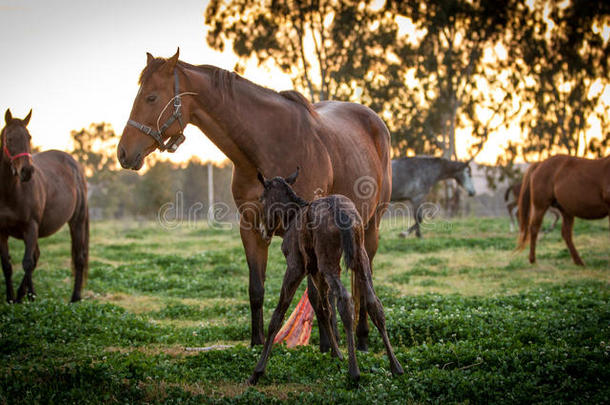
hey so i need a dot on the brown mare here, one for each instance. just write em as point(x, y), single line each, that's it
point(345, 146)
point(316, 235)
point(40, 193)
point(577, 187)
point(511, 206)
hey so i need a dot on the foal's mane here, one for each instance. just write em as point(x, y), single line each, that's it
point(224, 81)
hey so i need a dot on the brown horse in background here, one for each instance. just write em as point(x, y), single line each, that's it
point(40, 193)
point(577, 187)
point(511, 206)
point(345, 146)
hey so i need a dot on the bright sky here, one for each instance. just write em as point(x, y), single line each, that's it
point(77, 62)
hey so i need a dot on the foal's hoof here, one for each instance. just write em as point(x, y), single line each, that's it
point(253, 380)
point(396, 369)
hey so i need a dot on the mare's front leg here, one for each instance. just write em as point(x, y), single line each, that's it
point(295, 273)
point(256, 255)
point(7, 268)
point(30, 259)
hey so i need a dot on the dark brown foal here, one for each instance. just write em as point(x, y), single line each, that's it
point(40, 193)
point(317, 235)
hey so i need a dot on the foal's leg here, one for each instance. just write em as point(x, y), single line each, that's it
point(293, 277)
point(79, 232)
point(566, 232)
point(7, 268)
point(325, 316)
point(30, 258)
point(346, 310)
point(375, 310)
point(316, 303)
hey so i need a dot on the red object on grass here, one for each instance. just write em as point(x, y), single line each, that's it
point(297, 329)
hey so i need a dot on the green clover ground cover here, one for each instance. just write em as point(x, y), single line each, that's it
point(470, 321)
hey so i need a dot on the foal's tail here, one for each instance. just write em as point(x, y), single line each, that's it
point(350, 245)
point(524, 208)
point(507, 193)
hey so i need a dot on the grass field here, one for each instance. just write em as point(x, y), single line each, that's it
point(470, 320)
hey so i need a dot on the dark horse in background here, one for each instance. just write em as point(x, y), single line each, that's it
point(40, 193)
point(414, 177)
point(577, 187)
point(344, 146)
point(511, 206)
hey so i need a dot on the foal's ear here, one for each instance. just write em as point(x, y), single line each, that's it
point(171, 62)
point(8, 117)
point(26, 120)
point(149, 58)
point(293, 177)
point(261, 178)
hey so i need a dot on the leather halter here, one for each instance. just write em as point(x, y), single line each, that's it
point(175, 140)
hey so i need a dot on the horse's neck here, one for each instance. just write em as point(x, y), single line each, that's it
point(448, 170)
point(243, 120)
point(8, 182)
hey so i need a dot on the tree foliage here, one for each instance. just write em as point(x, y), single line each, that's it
point(563, 61)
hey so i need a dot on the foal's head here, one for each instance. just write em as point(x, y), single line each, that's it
point(16, 148)
point(280, 203)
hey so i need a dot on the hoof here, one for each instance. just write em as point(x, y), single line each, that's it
point(253, 380)
point(397, 369)
point(403, 235)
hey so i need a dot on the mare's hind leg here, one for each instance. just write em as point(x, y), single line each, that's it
point(79, 232)
point(316, 303)
point(375, 310)
point(534, 227)
point(346, 310)
point(7, 268)
point(566, 232)
point(30, 259)
point(293, 277)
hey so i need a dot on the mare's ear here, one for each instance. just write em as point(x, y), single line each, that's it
point(261, 178)
point(26, 120)
point(8, 117)
point(293, 177)
point(149, 58)
point(170, 64)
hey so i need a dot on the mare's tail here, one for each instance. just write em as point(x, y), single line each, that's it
point(524, 208)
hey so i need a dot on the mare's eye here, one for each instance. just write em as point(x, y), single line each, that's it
point(152, 98)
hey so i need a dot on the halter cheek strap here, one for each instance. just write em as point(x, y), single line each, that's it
point(175, 140)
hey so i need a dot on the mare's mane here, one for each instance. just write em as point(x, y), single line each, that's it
point(224, 81)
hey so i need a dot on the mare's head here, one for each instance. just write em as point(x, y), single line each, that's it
point(154, 107)
point(463, 175)
point(16, 146)
point(280, 203)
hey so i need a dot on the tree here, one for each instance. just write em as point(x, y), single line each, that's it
point(328, 47)
point(564, 61)
point(94, 148)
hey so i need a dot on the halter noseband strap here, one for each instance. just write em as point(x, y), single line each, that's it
point(175, 140)
point(11, 157)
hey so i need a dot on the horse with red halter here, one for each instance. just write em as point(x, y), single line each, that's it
point(40, 193)
point(346, 145)
point(577, 187)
